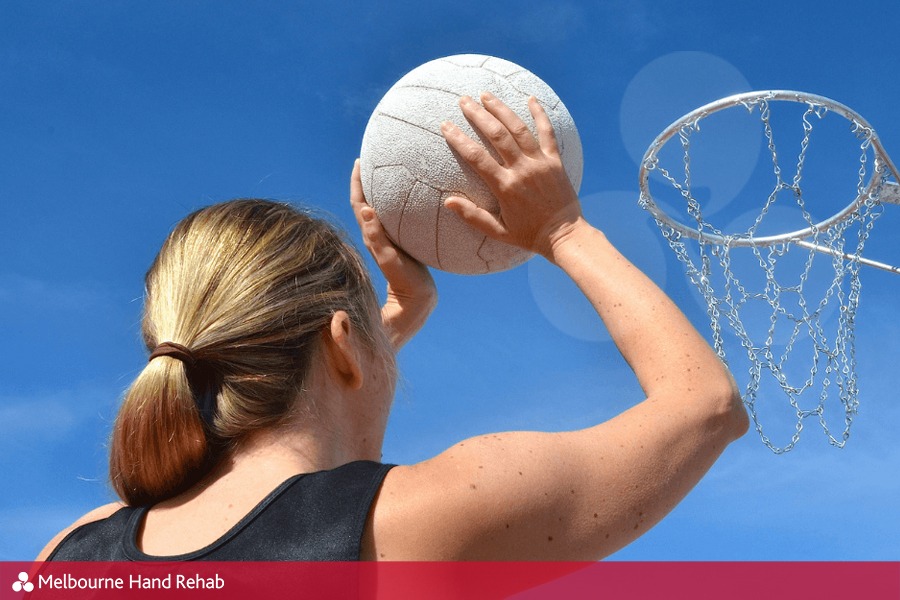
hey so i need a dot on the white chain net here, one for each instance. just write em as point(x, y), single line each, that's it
point(795, 311)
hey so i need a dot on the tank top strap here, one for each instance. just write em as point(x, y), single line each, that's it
point(309, 517)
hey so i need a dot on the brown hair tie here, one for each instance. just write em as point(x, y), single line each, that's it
point(203, 381)
point(176, 351)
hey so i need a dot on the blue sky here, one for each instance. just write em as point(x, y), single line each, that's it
point(117, 119)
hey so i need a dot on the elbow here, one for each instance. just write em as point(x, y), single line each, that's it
point(727, 408)
point(709, 405)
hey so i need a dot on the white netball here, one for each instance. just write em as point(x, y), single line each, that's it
point(407, 168)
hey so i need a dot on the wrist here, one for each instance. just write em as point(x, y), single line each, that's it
point(567, 239)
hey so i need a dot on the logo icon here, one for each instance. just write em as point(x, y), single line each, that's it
point(23, 585)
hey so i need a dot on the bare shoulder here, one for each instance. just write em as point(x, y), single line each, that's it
point(486, 498)
point(577, 495)
point(95, 515)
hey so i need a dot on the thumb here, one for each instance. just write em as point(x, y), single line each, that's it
point(476, 217)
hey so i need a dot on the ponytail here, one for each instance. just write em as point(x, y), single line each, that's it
point(159, 446)
point(247, 286)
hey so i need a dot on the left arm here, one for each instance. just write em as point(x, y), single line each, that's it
point(411, 294)
point(95, 515)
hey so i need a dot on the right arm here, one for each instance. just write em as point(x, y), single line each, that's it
point(581, 494)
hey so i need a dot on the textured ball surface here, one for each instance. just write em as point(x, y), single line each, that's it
point(407, 168)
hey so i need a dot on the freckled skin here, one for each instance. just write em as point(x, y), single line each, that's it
point(649, 456)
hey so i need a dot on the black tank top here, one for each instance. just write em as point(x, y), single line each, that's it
point(313, 516)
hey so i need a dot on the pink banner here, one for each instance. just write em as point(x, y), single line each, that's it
point(526, 581)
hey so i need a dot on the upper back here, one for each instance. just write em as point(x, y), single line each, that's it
point(315, 516)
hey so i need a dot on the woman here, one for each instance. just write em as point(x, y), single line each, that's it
point(270, 360)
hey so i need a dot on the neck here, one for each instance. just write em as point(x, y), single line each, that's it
point(333, 431)
point(284, 451)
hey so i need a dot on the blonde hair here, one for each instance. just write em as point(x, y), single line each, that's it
point(247, 286)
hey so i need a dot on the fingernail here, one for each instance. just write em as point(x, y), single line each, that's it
point(367, 214)
point(446, 125)
point(487, 97)
point(465, 100)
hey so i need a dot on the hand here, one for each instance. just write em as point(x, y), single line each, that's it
point(538, 206)
point(411, 294)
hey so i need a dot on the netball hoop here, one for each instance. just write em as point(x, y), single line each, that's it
point(777, 275)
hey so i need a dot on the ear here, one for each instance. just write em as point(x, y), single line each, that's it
point(341, 345)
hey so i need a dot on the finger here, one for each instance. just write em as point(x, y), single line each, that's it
point(377, 241)
point(366, 218)
point(375, 237)
point(546, 135)
point(512, 122)
point(476, 217)
point(356, 192)
point(372, 232)
point(357, 199)
point(472, 153)
point(404, 274)
point(491, 129)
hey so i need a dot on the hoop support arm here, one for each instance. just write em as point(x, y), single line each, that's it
point(889, 195)
point(861, 260)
